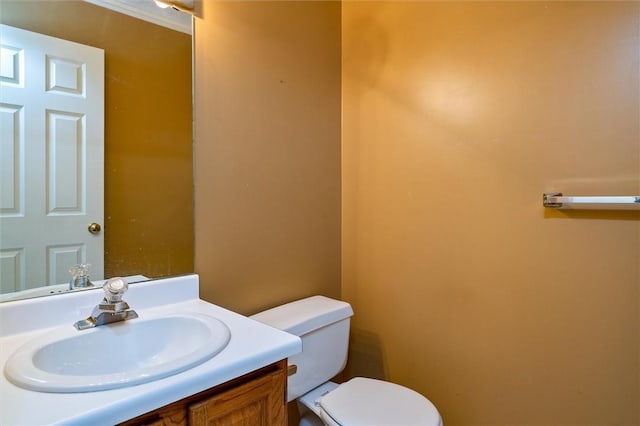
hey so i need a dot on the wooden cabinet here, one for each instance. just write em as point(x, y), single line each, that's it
point(255, 399)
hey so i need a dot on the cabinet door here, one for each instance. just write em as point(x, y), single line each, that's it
point(260, 402)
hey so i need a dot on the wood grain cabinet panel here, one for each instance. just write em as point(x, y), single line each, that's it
point(255, 399)
point(257, 403)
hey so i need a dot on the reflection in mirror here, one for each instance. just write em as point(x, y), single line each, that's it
point(52, 145)
point(148, 184)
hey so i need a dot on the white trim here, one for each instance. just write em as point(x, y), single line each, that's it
point(148, 11)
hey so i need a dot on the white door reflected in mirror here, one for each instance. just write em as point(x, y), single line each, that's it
point(51, 154)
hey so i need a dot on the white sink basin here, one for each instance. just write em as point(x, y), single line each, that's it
point(116, 355)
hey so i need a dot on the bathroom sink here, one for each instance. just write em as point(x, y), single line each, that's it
point(116, 355)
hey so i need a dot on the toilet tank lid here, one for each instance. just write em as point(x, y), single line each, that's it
point(305, 315)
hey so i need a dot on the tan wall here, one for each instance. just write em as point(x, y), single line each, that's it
point(457, 117)
point(148, 145)
point(267, 161)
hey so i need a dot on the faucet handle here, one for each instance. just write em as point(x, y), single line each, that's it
point(114, 288)
point(80, 276)
point(112, 308)
point(80, 270)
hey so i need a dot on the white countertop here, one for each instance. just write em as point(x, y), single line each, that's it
point(253, 345)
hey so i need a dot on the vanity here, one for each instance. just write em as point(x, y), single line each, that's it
point(253, 399)
point(244, 382)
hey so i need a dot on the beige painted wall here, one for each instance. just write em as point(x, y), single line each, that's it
point(267, 163)
point(456, 118)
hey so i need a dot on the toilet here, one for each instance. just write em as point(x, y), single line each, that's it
point(323, 325)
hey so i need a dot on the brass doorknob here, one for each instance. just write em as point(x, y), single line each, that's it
point(95, 228)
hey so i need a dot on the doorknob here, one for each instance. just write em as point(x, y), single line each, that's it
point(95, 228)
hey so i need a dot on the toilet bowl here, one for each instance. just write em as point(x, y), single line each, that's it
point(323, 325)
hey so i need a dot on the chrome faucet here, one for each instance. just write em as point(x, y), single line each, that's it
point(80, 276)
point(112, 308)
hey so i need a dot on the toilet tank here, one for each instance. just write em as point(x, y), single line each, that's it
point(323, 325)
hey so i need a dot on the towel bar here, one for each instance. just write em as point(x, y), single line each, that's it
point(558, 201)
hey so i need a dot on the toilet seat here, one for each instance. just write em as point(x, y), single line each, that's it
point(362, 401)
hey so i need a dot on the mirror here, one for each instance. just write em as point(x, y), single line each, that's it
point(148, 172)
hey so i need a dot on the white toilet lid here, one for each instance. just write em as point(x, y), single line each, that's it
point(369, 402)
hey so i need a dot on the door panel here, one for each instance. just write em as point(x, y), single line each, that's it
point(52, 156)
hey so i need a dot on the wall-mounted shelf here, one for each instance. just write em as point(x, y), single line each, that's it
point(558, 201)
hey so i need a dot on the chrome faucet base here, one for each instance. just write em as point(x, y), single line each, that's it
point(111, 309)
point(105, 318)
